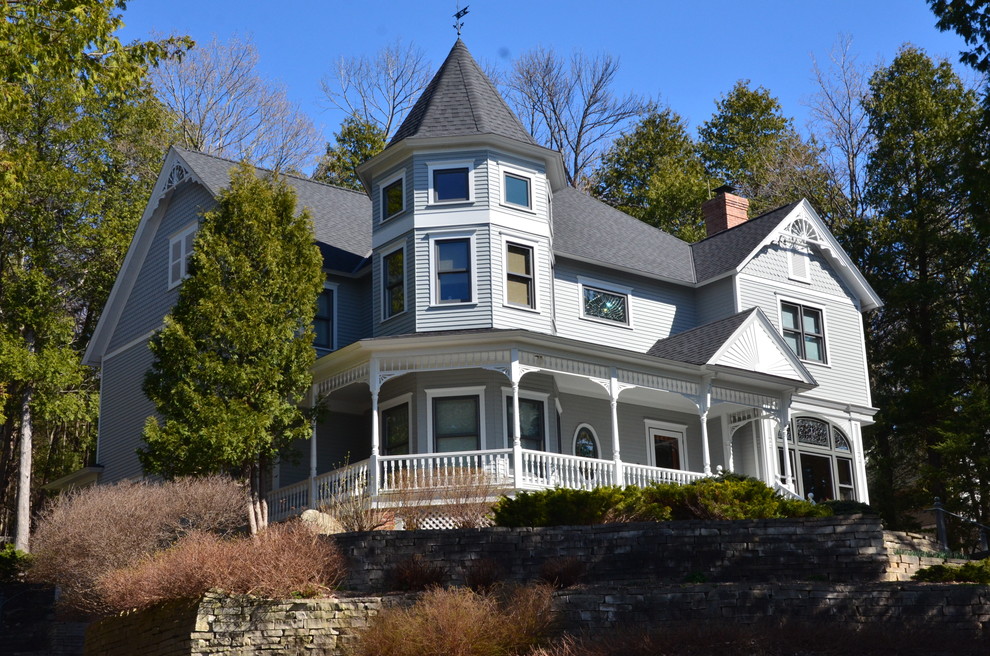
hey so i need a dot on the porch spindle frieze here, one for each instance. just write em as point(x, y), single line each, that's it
point(661, 383)
point(563, 365)
point(358, 374)
point(764, 402)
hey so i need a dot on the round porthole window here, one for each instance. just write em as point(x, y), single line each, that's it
point(585, 442)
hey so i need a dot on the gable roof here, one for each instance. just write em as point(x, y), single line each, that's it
point(460, 100)
point(588, 229)
point(746, 341)
point(723, 252)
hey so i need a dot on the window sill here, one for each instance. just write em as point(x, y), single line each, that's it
point(518, 208)
point(449, 203)
point(463, 304)
point(393, 217)
point(393, 317)
point(523, 308)
point(816, 363)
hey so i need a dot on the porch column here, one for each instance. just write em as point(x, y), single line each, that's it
point(783, 426)
point(515, 374)
point(704, 403)
point(313, 501)
point(374, 382)
point(613, 393)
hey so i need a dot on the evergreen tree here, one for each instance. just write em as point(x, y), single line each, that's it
point(925, 254)
point(655, 174)
point(233, 358)
point(357, 141)
point(750, 144)
point(79, 135)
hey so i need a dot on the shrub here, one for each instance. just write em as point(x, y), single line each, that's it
point(86, 533)
point(283, 560)
point(734, 497)
point(460, 622)
point(13, 563)
point(483, 574)
point(977, 571)
point(844, 507)
point(415, 574)
point(563, 572)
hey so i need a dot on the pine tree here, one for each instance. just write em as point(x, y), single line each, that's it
point(232, 362)
point(357, 141)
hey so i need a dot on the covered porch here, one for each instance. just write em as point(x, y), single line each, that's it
point(527, 412)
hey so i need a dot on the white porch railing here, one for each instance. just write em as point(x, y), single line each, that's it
point(429, 470)
point(644, 475)
point(541, 470)
point(493, 469)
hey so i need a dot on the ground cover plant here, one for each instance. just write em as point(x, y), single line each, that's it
point(977, 571)
point(708, 498)
point(87, 533)
point(282, 561)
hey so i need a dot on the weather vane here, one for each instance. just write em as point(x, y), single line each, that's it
point(458, 23)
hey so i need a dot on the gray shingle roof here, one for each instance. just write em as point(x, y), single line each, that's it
point(698, 345)
point(724, 251)
point(461, 100)
point(341, 217)
point(588, 229)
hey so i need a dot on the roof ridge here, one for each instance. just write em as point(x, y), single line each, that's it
point(748, 221)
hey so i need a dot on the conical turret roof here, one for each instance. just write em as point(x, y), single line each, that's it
point(460, 100)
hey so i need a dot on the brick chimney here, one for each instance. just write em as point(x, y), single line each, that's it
point(724, 211)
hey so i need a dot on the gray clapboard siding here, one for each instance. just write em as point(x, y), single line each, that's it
point(501, 162)
point(376, 190)
point(715, 301)
point(150, 299)
point(657, 309)
point(844, 377)
point(353, 309)
point(123, 410)
point(771, 263)
point(744, 451)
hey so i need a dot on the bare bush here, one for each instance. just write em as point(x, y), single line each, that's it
point(483, 575)
point(459, 622)
point(415, 573)
point(563, 572)
point(283, 560)
point(351, 506)
point(86, 533)
point(464, 496)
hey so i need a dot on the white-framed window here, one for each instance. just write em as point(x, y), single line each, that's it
point(803, 328)
point(394, 282)
point(393, 195)
point(451, 182)
point(533, 419)
point(586, 442)
point(605, 302)
point(520, 276)
point(517, 189)
point(396, 420)
point(180, 247)
point(666, 444)
point(325, 320)
point(456, 418)
point(452, 279)
point(821, 459)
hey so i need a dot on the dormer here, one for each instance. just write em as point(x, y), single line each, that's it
point(461, 222)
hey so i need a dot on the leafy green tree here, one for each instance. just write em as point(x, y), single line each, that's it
point(655, 173)
point(78, 134)
point(232, 360)
point(357, 141)
point(750, 144)
point(926, 251)
point(970, 19)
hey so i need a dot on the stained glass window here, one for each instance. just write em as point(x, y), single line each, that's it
point(601, 304)
point(585, 444)
point(812, 431)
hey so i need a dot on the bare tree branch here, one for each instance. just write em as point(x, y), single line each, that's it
point(225, 108)
point(379, 89)
point(570, 105)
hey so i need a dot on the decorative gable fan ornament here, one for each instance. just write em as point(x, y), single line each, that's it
point(177, 175)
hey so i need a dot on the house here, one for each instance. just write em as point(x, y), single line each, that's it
point(479, 313)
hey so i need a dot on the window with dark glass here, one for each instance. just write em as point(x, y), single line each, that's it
point(517, 190)
point(602, 304)
point(821, 460)
point(394, 275)
point(323, 321)
point(392, 199)
point(803, 331)
point(667, 451)
point(519, 275)
point(453, 266)
point(450, 185)
point(457, 423)
point(532, 425)
point(395, 430)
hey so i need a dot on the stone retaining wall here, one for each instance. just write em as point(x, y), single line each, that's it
point(909, 552)
point(834, 549)
point(219, 624)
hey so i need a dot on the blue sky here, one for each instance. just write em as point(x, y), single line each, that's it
point(686, 53)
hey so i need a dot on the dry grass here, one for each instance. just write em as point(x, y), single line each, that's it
point(459, 622)
point(282, 561)
point(87, 533)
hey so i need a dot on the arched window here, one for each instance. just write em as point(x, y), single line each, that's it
point(586, 442)
point(821, 460)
